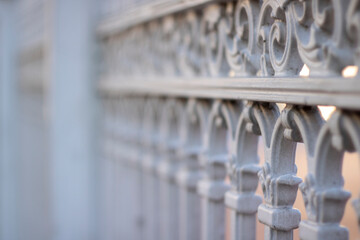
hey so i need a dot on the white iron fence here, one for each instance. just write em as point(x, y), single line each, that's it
point(178, 120)
point(188, 89)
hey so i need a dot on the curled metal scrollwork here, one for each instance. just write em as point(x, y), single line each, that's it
point(190, 51)
point(213, 40)
point(277, 40)
point(320, 31)
point(239, 26)
point(242, 38)
point(353, 28)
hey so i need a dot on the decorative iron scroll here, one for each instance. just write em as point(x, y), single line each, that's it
point(195, 156)
point(243, 38)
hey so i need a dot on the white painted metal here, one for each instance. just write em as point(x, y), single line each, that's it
point(294, 90)
point(150, 161)
point(191, 172)
point(212, 188)
point(187, 88)
point(72, 121)
point(256, 119)
point(249, 50)
point(8, 123)
point(172, 118)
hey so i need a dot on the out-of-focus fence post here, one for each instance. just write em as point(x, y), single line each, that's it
point(73, 107)
point(8, 164)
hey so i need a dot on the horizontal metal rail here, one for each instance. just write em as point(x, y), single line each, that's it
point(304, 91)
point(120, 22)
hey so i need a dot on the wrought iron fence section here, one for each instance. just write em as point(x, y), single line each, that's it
point(187, 91)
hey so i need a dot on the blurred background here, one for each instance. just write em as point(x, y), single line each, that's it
point(50, 169)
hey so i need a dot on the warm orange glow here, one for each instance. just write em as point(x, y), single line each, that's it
point(350, 71)
point(326, 111)
point(281, 106)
